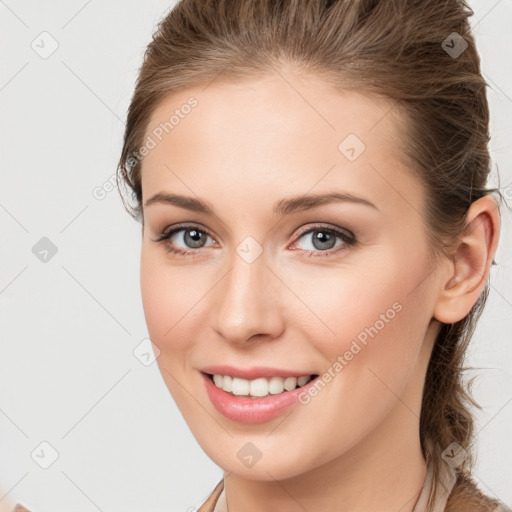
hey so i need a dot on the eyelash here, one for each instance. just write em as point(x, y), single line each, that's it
point(348, 238)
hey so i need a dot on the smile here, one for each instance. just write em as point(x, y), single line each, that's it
point(273, 395)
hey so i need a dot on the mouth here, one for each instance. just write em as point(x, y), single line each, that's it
point(260, 387)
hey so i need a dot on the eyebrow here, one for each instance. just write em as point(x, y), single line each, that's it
point(282, 207)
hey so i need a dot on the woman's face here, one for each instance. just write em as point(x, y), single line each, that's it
point(275, 277)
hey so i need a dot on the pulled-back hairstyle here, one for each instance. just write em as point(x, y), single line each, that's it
point(412, 52)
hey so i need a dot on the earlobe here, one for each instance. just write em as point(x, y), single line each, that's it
point(469, 269)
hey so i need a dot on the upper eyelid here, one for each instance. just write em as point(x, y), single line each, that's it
point(180, 227)
point(306, 229)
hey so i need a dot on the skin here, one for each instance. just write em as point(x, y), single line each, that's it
point(245, 147)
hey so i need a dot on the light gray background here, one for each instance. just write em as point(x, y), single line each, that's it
point(68, 375)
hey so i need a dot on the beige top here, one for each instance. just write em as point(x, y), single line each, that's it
point(216, 502)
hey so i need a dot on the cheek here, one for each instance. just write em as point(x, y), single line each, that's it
point(374, 314)
point(352, 301)
point(378, 320)
point(167, 295)
point(381, 294)
point(168, 298)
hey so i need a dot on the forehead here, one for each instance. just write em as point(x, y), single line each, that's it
point(282, 130)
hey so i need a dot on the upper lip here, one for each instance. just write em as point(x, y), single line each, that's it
point(253, 373)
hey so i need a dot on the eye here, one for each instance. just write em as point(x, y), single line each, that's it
point(321, 239)
point(190, 236)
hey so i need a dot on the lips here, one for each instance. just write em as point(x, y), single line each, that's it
point(252, 410)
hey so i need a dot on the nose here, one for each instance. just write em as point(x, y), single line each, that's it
point(248, 302)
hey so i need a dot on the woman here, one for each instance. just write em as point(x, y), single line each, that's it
point(317, 240)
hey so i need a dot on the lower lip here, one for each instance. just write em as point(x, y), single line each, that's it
point(247, 410)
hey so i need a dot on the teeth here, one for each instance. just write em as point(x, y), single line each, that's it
point(227, 383)
point(240, 386)
point(275, 385)
point(302, 380)
point(258, 387)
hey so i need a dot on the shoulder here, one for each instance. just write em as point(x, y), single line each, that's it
point(467, 497)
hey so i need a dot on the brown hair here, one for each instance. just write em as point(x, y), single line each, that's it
point(411, 52)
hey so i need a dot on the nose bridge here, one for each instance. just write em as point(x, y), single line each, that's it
point(247, 301)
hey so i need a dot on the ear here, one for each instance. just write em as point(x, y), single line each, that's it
point(469, 267)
